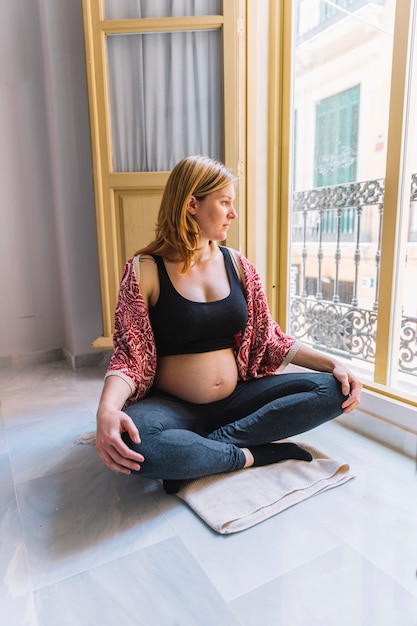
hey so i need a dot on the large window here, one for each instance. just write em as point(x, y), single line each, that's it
point(352, 252)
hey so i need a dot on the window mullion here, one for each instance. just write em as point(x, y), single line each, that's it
point(387, 336)
point(280, 129)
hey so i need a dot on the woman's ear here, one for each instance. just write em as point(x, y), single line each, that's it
point(191, 207)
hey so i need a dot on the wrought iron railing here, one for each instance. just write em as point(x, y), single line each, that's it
point(335, 228)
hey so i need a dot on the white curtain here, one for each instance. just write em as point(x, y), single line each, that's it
point(133, 9)
point(165, 89)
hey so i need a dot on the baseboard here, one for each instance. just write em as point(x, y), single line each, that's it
point(378, 429)
point(31, 358)
point(5, 361)
point(77, 361)
point(89, 359)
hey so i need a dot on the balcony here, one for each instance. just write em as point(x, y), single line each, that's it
point(335, 272)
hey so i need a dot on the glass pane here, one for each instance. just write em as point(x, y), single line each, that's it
point(342, 61)
point(405, 374)
point(165, 92)
point(134, 9)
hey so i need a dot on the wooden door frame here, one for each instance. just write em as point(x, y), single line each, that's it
point(108, 183)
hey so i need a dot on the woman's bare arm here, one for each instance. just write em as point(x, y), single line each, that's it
point(315, 360)
point(111, 423)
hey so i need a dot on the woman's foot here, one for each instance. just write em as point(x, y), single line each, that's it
point(269, 453)
point(172, 486)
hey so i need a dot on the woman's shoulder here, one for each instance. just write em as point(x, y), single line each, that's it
point(139, 263)
point(233, 253)
point(240, 259)
point(146, 274)
point(245, 270)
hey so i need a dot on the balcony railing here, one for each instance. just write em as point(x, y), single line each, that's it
point(336, 253)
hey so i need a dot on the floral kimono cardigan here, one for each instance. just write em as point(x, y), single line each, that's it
point(261, 348)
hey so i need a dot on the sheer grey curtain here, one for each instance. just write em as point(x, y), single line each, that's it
point(131, 9)
point(165, 89)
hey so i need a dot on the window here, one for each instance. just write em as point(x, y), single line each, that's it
point(350, 248)
point(156, 123)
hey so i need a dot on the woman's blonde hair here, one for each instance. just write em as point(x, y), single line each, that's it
point(177, 232)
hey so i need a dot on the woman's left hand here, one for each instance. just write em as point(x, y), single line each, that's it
point(320, 362)
point(351, 387)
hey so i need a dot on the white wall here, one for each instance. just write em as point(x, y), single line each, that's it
point(50, 298)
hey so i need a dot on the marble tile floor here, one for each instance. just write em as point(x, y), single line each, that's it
point(81, 546)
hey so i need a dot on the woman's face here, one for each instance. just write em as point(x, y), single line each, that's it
point(214, 213)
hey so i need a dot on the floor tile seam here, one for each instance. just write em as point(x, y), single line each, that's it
point(55, 580)
point(29, 614)
point(3, 423)
point(347, 535)
point(12, 475)
point(381, 568)
point(190, 553)
point(15, 502)
point(166, 516)
point(30, 590)
point(27, 481)
point(235, 614)
point(33, 587)
point(282, 574)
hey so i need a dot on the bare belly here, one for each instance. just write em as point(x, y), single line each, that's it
point(198, 378)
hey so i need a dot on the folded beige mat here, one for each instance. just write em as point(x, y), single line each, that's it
point(235, 501)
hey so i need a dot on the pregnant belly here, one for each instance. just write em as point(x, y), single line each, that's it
point(198, 378)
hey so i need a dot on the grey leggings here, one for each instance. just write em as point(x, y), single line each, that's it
point(181, 440)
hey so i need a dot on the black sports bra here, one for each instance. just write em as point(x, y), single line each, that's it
point(182, 326)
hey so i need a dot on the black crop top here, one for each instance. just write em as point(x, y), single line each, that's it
point(181, 326)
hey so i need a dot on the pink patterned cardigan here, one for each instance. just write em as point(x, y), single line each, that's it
point(261, 348)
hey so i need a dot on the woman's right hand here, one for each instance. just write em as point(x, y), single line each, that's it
point(113, 451)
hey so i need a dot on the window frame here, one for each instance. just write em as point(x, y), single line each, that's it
point(280, 163)
point(112, 188)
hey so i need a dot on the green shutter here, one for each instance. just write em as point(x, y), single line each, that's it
point(337, 123)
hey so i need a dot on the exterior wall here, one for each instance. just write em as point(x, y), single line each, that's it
point(347, 53)
point(343, 55)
